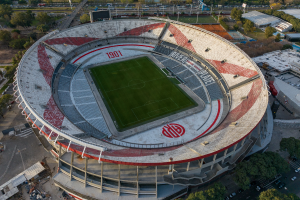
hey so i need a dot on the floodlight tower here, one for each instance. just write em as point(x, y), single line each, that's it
point(70, 3)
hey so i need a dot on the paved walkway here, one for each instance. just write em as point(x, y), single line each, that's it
point(8, 64)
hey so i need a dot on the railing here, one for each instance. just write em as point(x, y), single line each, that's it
point(146, 146)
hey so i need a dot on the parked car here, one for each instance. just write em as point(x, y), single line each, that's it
point(294, 178)
point(281, 185)
point(258, 188)
point(297, 170)
point(232, 195)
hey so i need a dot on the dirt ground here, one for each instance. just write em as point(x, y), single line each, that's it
point(6, 54)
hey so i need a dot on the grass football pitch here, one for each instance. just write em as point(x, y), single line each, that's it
point(136, 91)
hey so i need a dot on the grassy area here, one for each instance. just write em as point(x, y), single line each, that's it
point(297, 43)
point(257, 34)
point(6, 85)
point(47, 8)
point(174, 80)
point(202, 20)
point(35, 22)
point(136, 91)
point(166, 71)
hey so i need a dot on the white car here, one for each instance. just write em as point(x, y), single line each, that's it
point(297, 170)
point(258, 188)
point(294, 178)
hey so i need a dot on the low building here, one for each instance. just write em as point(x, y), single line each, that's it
point(293, 37)
point(283, 27)
point(281, 61)
point(262, 20)
point(293, 12)
point(286, 88)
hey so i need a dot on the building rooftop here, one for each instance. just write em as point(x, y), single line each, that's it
point(281, 60)
point(293, 12)
point(260, 19)
point(293, 35)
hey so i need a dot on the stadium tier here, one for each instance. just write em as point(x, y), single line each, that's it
point(150, 107)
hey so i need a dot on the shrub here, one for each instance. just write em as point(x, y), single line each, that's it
point(16, 31)
point(17, 43)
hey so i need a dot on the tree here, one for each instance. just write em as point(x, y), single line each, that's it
point(287, 46)
point(5, 36)
point(8, 2)
point(16, 31)
point(43, 28)
point(28, 43)
point(277, 38)
point(5, 10)
point(275, 194)
point(236, 27)
point(214, 192)
point(43, 17)
point(4, 100)
point(236, 14)
point(260, 165)
point(224, 24)
point(84, 18)
point(23, 19)
point(33, 2)
point(248, 26)
point(189, 1)
point(17, 43)
point(269, 31)
point(291, 145)
point(275, 6)
point(29, 17)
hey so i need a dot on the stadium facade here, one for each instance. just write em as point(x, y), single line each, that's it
point(159, 159)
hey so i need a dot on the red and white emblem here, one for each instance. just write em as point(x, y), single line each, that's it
point(173, 130)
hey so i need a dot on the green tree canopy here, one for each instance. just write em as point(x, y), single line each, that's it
point(84, 18)
point(236, 14)
point(214, 192)
point(287, 46)
point(5, 10)
point(18, 43)
point(248, 26)
point(23, 19)
point(33, 2)
point(8, 2)
point(4, 100)
point(5, 36)
point(43, 17)
point(260, 165)
point(273, 194)
point(291, 145)
point(269, 31)
point(42, 28)
point(277, 38)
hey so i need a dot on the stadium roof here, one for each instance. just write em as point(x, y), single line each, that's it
point(260, 19)
point(35, 90)
point(293, 12)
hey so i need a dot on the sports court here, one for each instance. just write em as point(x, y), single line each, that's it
point(137, 91)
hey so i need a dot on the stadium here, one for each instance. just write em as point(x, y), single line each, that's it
point(144, 108)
